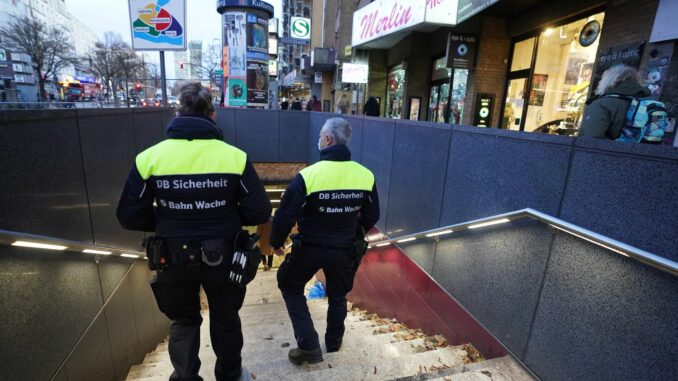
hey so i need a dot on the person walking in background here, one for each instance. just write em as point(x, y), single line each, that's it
point(284, 105)
point(605, 116)
point(313, 104)
point(335, 202)
point(342, 105)
point(193, 246)
point(296, 105)
point(264, 230)
point(371, 107)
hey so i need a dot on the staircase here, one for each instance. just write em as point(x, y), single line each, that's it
point(373, 348)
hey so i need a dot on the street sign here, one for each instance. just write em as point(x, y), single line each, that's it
point(3, 55)
point(300, 28)
point(294, 41)
point(158, 24)
point(219, 72)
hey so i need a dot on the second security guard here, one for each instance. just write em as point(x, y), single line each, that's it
point(334, 202)
point(205, 191)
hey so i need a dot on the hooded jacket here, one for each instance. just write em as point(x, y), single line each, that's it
point(328, 200)
point(201, 186)
point(605, 116)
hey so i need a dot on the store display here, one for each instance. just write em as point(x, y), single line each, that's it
point(394, 93)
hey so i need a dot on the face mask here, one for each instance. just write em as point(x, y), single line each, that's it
point(320, 147)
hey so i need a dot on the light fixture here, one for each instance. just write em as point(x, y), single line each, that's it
point(36, 245)
point(129, 255)
point(406, 240)
point(274, 190)
point(383, 244)
point(490, 223)
point(548, 32)
point(442, 232)
point(275, 200)
point(92, 251)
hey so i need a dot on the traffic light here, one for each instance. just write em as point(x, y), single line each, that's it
point(137, 86)
point(181, 65)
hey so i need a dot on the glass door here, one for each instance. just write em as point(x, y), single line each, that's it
point(433, 103)
point(515, 104)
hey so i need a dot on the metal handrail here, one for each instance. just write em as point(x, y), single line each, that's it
point(8, 237)
point(658, 262)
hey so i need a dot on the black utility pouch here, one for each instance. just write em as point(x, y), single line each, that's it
point(156, 252)
point(213, 252)
point(245, 260)
point(359, 248)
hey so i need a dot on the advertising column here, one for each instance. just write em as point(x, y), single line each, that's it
point(245, 52)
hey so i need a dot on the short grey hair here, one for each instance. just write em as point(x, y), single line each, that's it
point(194, 98)
point(616, 75)
point(339, 128)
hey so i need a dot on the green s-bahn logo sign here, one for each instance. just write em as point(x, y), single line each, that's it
point(300, 28)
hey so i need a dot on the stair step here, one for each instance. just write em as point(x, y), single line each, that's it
point(498, 369)
point(281, 368)
point(381, 369)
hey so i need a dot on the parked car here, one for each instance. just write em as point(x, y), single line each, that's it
point(173, 101)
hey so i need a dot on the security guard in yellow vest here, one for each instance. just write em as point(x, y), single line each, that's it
point(205, 190)
point(332, 201)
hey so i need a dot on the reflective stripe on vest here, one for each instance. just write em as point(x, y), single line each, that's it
point(190, 157)
point(337, 175)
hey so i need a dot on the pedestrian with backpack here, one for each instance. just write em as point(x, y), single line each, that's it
point(622, 110)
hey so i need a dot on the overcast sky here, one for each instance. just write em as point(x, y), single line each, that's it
point(113, 15)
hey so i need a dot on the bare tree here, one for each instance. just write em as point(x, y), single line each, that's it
point(114, 60)
point(48, 46)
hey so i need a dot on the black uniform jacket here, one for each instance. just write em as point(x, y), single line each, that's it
point(328, 200)
point(201, 186)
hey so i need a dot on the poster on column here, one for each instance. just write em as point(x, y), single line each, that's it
point(257, 83)
point(235, 26)
point(257, 34)
point(237, 91)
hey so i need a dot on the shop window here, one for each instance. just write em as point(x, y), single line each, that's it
point(447, 92)
point(394, 92)
point(522, 54)
point(550, 96)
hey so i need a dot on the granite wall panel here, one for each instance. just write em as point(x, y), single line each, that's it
point(149, 127)
point(43, 181)
point(496, 274)
point(108, 151)
point(377, 155)
point(316, 122)
point(417, 177)
point(226, 121)
point(496, 171)
point(112, 269)
point(602, 316)
point(626, 192)
point(293, 144)
point(257, 132)
point(52, 297)
point(122, 330)
point(92, 358)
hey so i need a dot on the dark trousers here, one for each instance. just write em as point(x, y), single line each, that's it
point(177, 290)
point(297, 269)
point(267, 259)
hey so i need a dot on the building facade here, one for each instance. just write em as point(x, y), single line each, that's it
point(527, 65)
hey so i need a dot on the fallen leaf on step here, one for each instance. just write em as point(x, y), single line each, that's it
point(285, 345)
point(254, 376)
point(472, 354)
point(375, 370)
point(268, 338)
point(329, 365)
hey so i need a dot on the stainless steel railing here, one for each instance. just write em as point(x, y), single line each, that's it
point(661, 263)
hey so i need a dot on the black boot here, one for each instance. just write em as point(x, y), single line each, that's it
point(299, 356)
point(333, 348)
